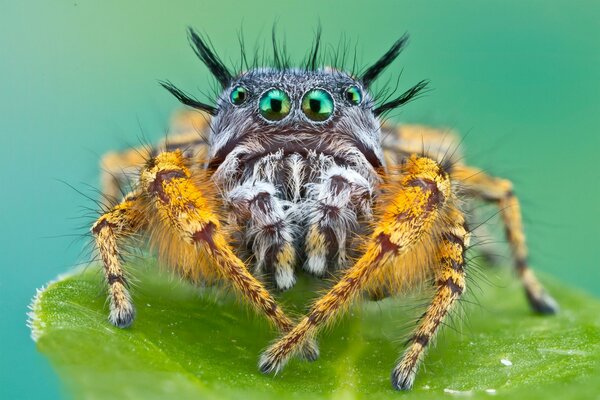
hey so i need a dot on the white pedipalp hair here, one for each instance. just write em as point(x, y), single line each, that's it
point(300, 187)
point(332, 208)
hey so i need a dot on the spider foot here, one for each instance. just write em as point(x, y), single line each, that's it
point(403, 377)
point(310, 350)
point(271, 363)
point(275, 357)
point(542, 302)
point(123, 316)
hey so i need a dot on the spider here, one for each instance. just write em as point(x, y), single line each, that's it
point(293, 170)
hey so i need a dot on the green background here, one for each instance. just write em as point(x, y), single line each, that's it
point(79, 78)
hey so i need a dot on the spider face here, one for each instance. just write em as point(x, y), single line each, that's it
point(264, 112)
point(290, 127)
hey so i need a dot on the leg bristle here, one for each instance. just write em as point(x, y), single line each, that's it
point(284, 278)
point(316, 265)
point(123, 317)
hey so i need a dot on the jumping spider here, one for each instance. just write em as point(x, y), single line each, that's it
point(295, 170)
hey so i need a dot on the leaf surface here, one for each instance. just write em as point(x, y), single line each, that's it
point(190, 342)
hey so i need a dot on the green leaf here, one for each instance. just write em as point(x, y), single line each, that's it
point(202, 343)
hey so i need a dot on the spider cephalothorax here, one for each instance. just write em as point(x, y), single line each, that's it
point(295, 172)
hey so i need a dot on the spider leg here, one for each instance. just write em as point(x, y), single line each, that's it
point(120, 170)
point(444, 146)
point(450, 282)
point(332, 211)
point(256, 206)
point(179, 201)
point(500, 192)
point(121, 222)
point(400, 141)
point(415, 201)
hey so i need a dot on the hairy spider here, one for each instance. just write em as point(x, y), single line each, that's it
point(293, 170)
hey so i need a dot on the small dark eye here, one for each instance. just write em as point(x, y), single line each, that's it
point(274, 105)
point(317, 104)
point(353, 95)
point(238, 95)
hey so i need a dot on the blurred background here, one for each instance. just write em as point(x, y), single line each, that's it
point(521, 81)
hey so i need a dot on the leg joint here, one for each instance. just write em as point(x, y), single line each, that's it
point(436, 197)
point(455, 288)
point(115, 278)
point(421, 339)
point(162, 177)
point(206, 235)
point(101, 224)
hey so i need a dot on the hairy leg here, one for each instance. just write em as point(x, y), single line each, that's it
point(333, 210)
point(450, 283)
point(121, 222)
point(414, 202)
point(444, 147)
point(256, 207)
point(500, 192)
point(192, 212)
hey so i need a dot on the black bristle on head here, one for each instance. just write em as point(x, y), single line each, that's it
point(243, 60)
point(374, 70)
point(187, 100)
point(404, 98)
point(276, 57)
point(311, 63)
point(209, 58)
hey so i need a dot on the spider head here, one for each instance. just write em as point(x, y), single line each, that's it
point(297, 111)
point(302, 111)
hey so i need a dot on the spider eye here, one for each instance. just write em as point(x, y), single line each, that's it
point(238, 95)
point(353, 95)
point(274, 105)
point(317, 104)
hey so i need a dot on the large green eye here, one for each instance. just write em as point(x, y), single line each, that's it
point(238, 95)
point(274, 105)
point(353, 95)
point(317, 104)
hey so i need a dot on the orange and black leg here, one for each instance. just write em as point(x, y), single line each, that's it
point(500, 192)
point(450, 285)
point(179, 202)
point(444, 146)
point(414, 203)
point(120, 223)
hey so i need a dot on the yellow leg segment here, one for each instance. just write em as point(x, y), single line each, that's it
point(190, 211)
point(450, 282)
point(121, 222)
point(500, 191)
point(414, 202)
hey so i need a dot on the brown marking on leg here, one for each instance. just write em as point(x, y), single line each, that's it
point(200, 226)
point(450, 286)
point(119, 223)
